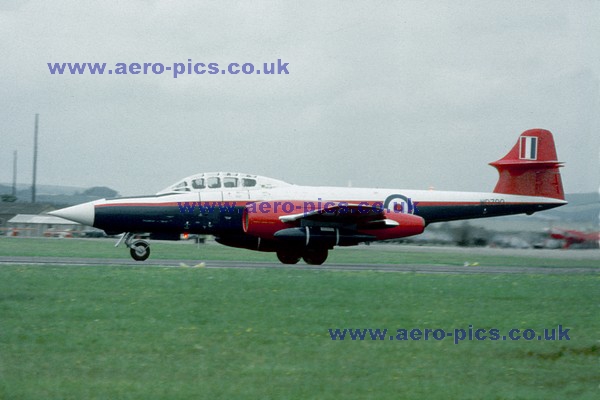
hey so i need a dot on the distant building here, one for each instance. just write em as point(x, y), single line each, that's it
point(8, 210)
point(28, 225)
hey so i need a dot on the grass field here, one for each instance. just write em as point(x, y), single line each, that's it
point(112, 332)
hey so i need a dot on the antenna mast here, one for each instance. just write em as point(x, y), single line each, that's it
point(35, 151)
point(14, 185)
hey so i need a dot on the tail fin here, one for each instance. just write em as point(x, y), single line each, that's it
point(531, 167)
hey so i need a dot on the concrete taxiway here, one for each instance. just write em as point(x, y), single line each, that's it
point(405, 268)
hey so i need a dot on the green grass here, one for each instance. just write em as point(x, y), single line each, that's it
point(192, 333)
point(391, 254)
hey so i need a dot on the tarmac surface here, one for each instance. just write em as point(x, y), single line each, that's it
point(403, 268)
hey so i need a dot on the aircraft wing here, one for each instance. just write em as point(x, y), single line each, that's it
point(359, 215)
point(333, 224)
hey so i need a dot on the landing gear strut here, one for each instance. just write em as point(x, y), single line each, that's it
point(138, 249)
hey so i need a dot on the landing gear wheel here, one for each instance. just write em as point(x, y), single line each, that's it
point(315, 256)
point(288, 257)
point(139, 250)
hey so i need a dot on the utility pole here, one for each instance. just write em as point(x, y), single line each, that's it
point(14, 186)
point(35, 150)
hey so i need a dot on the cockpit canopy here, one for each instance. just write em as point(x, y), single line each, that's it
point(223, 181)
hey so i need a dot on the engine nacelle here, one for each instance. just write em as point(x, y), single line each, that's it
point(262, 219)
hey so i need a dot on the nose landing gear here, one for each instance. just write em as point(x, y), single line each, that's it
point(138, 249)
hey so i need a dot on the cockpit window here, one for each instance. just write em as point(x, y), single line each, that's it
point(198, 183)
point(181, 187)
point(214, 182)
point(246, 182)
point(230, 182)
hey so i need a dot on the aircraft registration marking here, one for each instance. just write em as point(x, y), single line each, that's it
point(491, 201)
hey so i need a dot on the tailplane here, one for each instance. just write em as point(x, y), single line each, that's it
point(531, 167)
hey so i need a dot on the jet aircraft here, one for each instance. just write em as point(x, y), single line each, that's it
point(572, 236)
point(305, 222)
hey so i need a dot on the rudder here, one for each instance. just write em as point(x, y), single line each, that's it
point(531, 167)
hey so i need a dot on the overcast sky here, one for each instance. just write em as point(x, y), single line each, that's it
point(388, 94)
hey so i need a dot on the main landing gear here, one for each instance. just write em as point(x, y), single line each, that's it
point(311, 256)
point(138, 249)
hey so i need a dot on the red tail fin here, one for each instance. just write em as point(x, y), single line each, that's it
point(531, 167)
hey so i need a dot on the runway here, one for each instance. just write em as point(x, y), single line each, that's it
point(401, 268)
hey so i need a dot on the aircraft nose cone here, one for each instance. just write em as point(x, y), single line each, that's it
point(82, 213)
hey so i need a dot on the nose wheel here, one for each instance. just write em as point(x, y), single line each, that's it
point(138, 249)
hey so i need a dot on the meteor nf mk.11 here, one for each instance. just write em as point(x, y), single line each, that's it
point(264, 214)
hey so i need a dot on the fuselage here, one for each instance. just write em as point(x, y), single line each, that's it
point(220, 212)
